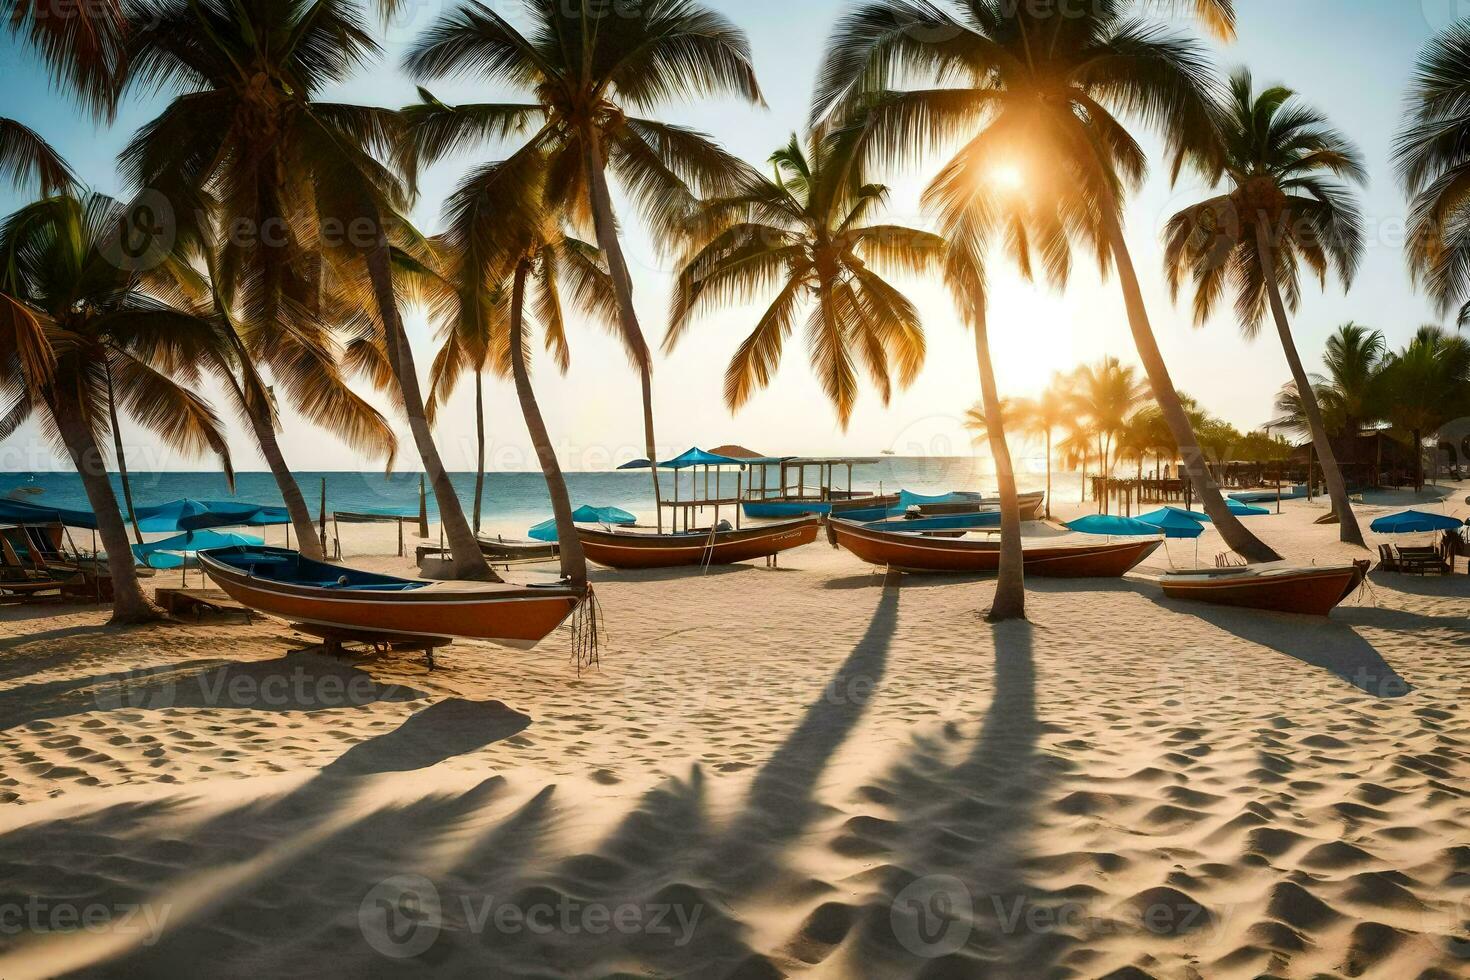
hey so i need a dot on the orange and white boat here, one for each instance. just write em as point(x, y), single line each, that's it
point(616, 548)
point(918, 552)
point(1311, 590)
point(329, 600)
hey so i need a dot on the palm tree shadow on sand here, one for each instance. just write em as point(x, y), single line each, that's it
point(278, 880)
point(952, 898)
point(669, 853)
point(1328, 644)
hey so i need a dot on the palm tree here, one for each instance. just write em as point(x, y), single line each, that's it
point(83, 44)
point(306, 364)
point(1107, 394)
point(1043, 417)
point(1282, 208)
point(808, 233)
point(1432, 157)
point(511, 251)
point(1044, 87)
point(26, 157)
point(474, 346)
point(79, 322)
point(1354, 359)
point(1427, 385)
point(582, 66)
point(293, 182)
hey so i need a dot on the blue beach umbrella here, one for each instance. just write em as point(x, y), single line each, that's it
point(1174, 522)
point(1415, 521)
point(1123, 527)
point(172, 552)
point(546, 530)
point(1240, 509)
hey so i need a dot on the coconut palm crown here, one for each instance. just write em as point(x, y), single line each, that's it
point(810, 232)
point(1284, 206)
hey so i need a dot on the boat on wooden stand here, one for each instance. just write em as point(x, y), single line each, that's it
point(332, 601)
point(909, 551)
point(1311, 590)
point(725, 545)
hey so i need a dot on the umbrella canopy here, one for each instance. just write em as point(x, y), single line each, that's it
point(693, 457)
point(185, 514)
point(546, 530)
point(1174, 522)
point(188, 514)
point(167, 553)
point(19, 512)
point(1413, 521)
point(1116, 526)
point(1241, 509)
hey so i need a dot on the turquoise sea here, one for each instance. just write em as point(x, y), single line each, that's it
point(511, 499)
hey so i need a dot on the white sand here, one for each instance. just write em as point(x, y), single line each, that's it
point(811, 770)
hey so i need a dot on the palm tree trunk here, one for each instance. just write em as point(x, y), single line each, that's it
point(1010, 589)
point(1048, 474)
point(122, 460)
point(480, 446)
point(263, 424)
point(606, 226)
point(1241, 540)
point(1347, 521)
point(466, 559)
point(1418, 460)
point(129, 605)
point(573, 561)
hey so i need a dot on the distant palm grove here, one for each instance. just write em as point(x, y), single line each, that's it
point(263, 239)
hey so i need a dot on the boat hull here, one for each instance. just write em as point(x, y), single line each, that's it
point(940, 555)
point(775, 510)
point(633, 550)
point(1030, 505)
point(957, 523)
point(1308, 592)
point(512, 615)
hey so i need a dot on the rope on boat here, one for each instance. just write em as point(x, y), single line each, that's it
point(1365, 587)
point(589, 632)
point(709, 549)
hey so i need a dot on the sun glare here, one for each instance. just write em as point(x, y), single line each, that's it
point(1007, 177)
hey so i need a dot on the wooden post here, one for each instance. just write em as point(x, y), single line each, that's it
point(423, 508)
point(674, 514)
point(322, 516)
point(739, 481)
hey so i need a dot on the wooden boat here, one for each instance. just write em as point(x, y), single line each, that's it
point(786, 508)
point(954, 503)
point(332, 600)
point(505, 549)
point(953, 524)
point(638, 549)
point(1269, 496)
point(1312, 590)
point(917, 552)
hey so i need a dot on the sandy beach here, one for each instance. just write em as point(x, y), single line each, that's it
point(816, 770)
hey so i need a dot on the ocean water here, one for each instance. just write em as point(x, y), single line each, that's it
point(510, 499)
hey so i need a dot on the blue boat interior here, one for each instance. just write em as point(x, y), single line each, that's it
point(280, 565)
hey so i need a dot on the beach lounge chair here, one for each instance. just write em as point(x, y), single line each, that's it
point(1387, 560)
point(1424, 560)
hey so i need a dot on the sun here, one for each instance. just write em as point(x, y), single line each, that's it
point(1007, 177)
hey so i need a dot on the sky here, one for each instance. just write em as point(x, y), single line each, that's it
point(1350, 58)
